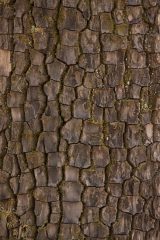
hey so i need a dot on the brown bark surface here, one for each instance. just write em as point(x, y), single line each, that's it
point(80, 119)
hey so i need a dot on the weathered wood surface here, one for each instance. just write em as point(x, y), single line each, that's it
point(80, 119)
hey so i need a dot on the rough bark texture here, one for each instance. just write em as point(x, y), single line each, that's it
point(80, 119)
